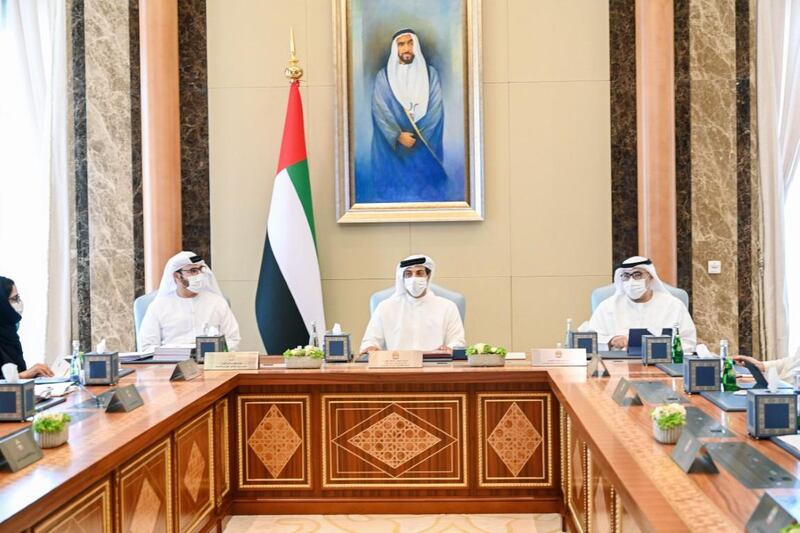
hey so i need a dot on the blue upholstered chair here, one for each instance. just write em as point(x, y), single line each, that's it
point(141, 304)
point(603, 293)
point(455, 297)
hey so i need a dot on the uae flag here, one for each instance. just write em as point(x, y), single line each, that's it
point(289, 294)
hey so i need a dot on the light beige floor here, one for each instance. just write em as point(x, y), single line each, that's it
point(443, 523)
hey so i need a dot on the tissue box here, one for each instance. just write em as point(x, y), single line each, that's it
point(101, 368)
point(701, 374)
point(656, 349)
point(771, 414)
point(337, 348)
point(210, 343)
point(583, 339)
point(17, 401)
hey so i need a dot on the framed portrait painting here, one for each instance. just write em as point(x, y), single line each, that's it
point(409, 111)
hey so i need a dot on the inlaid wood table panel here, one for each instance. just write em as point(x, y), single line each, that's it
point(603, 510)
point(87, 513)
point(515, 439)
point(394, 440)
point(144, 488)
point(578, 495)
point(274, 445)
point(194, 443)
point(222, 450)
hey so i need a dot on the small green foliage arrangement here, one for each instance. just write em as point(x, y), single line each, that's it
point(791, 528)
point(483, 348)
point(305, 351)
point(669, 416)
point(50, 422)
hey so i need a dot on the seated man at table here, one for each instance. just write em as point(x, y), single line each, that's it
point(640, 301)
point(189, 304)
point(414, 318)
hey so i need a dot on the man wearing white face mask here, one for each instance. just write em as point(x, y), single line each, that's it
point(189, 303)
point(640, 301)
point(414, 318)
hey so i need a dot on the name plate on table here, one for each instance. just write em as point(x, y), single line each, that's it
point(395, 359)
point(691, 455)
point(558, 357)
point(19, 450)
point(124, 400)
point(231, 361)
point(185, 370)
point(597, 368)
point(621, 392)
point(773, 513)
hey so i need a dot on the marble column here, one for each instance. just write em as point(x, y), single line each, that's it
point(108, 138)
point(622, 71)
point(714, 169)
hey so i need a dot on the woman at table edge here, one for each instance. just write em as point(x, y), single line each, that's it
point(11, 308)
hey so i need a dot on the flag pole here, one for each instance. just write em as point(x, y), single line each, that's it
point(293, 70)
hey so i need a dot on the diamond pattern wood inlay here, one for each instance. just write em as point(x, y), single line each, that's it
point(145, 515)
point(514, 439)
point(394, 440)
point(274, 441)
point(195, 468)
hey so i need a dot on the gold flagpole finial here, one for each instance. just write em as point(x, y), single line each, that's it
point(293, 71)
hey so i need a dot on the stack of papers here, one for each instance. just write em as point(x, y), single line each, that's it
point(173, 352)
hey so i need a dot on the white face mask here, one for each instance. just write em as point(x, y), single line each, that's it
point(18, 307)
point(635, 288)
point(416, 286)
point(196, 283)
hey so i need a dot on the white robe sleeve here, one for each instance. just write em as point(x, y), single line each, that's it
point(786, 366)
point(374, 335)
point(601, 324)
point(230, 328)
point(688, 330)
point(149, 330)
point(454, 328)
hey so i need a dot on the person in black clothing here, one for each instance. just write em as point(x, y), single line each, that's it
point(10, 346)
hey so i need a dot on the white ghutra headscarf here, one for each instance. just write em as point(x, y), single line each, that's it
point(424, 260)
point(409, 83)
point(639, 262)
point(177, 262)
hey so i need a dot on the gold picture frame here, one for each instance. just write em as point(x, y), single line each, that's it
point(460, 150)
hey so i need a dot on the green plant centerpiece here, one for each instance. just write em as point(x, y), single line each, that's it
point(51, 429)
point(483, 354)
point(668, 422)
point(791, 528)
point(304, 357)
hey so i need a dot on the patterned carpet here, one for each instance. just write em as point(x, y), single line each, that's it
point(444, 523)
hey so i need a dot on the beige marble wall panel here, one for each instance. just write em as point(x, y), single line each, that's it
point(488, 309)
point(713, 148)
point(109, 163)
point(712, 45)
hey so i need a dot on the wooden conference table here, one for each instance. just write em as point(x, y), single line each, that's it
point(344, 439)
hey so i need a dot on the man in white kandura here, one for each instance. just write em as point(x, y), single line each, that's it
point(189, 304)
point(414, 318)
point(640, 301)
